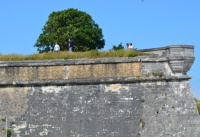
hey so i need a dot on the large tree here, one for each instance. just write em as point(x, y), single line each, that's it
point(74, 24)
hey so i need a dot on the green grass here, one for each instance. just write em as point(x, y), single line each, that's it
point(71, 55)
point(198, 104)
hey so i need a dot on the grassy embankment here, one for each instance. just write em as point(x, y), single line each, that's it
point(71, 55)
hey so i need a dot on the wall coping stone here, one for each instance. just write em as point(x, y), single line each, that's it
point(87, 81)
point(60, 62)
point(167, 47)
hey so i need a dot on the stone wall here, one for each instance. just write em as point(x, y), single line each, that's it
point(145, 96)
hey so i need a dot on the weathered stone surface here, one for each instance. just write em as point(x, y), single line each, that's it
point(145, 96)
point(104, 70)
point(32, 73)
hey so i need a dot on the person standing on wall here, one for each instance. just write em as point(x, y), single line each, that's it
point(56, 47)
point(130, 47)
point(70, 45)
point(127, 46)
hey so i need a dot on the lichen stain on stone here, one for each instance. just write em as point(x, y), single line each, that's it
point(179, 89)
point(51, 89)
point(127, 99)
point(159, 83)
point(126, 87)
point(115, 88)
point(44, 132)
point(17, 129)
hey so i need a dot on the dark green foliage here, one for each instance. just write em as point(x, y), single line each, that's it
point(119, 47)
point(74, 24)
point(8, 133)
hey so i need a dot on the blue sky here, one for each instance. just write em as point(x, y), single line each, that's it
point(145, 23)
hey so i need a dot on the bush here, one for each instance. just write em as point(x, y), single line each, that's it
point(8, 133)
point(119, 47)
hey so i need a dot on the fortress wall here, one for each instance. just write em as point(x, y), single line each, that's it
point(145, 96)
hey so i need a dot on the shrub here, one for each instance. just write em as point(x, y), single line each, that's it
point(119, 47)
point(8, 133)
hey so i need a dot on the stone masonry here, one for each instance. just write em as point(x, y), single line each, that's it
point(144, 96)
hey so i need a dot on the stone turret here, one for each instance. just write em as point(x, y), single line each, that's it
point(179, 57)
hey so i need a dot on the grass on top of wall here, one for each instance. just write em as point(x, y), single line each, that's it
point(72, 55)
point(198, 104)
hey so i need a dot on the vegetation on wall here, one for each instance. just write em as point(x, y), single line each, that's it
point(8, 133)
point(198, 104)
point(70, 24)
point(119, 47)
point(71, 55)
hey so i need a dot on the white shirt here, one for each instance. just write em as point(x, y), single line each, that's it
point(130, 47)
point(56, 47)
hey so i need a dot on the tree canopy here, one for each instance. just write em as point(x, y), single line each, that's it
point(70, 24)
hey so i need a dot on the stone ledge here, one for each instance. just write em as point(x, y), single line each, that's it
point(62, 62)
point(94, 81)
point(167, 47)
